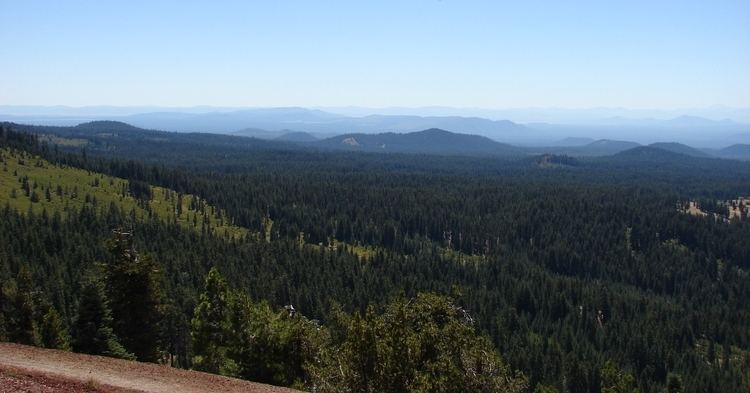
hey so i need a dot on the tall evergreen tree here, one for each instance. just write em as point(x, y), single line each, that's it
point(272, 346)
point(92, 330)
point(674, 384)
point(614, 380)
point(5, 311)
point(212, 327)
point(53, 332)
point(24, 329)
point(136, 298)
point(176, 336)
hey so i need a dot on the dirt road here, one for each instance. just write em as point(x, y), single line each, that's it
point(30, 369)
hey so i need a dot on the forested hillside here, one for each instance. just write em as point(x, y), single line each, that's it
point(432, 141)
point(582, 277)
point(32, 184)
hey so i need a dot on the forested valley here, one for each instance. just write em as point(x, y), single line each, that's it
point(350, 271)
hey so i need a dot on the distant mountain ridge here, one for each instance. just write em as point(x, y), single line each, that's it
point(109, 134)
point(109, 125)
point(575, 141)
point(601, 147)
point(650, 154)
point(679, 148)
point(681, 154)
point(739, 151)
point(690, 130)
point(113, 133)
point(296, 136)
point(610, 144)
point(312, 121)
point(689, 127)
point(432, 141)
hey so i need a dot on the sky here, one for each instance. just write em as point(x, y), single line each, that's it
point(412, 53)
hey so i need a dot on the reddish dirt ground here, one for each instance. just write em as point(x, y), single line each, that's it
point(30, 369)
point(20, 381)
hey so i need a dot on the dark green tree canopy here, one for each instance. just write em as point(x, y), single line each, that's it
point(135, 294)
point(422, 344)
point(93, 332)
point(212, 327)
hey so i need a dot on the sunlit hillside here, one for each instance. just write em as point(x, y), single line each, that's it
point(29, 183)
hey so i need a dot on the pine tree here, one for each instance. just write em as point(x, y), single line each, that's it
point(674, 384)
point(176, 336)
point(614, 380)
point(93, 326)
point(53, 331)
point(135, 295)
point(271, 346)
point(212, 328)
point(25, 329)
point(5, 311)
point(25, 185)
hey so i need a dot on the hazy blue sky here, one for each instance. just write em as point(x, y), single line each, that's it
point(493, 54)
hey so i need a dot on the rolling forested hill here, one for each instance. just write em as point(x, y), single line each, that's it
point(434, 141)
point(679, 148)
point(575, 271)
point(739, 151)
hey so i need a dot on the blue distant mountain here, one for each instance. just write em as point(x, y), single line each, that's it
point(574, 141)
point(680, 148)
point(432, 141)
point(271, 123)
point(739, 151)
point(319, 122)
point(296, 136)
